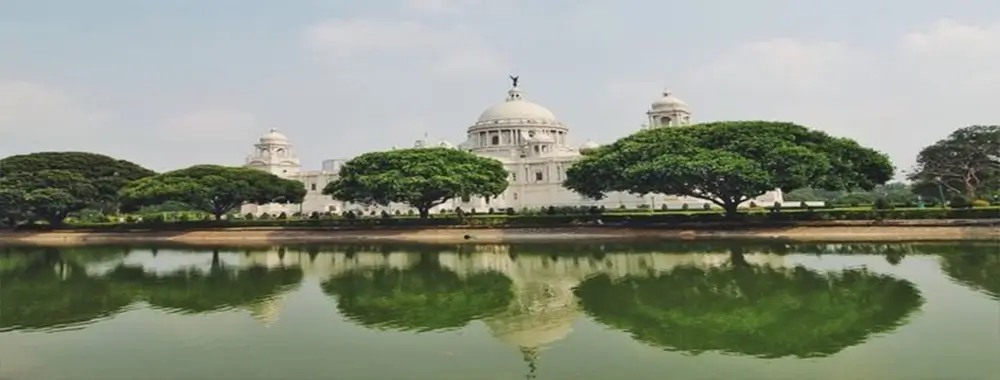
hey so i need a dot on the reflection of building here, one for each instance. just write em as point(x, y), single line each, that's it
point(544, 308)
point(531, 142)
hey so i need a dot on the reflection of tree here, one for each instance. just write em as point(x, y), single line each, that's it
point(50, 288)
point(423, 298)
point(193, 290)
point(45, 289)
point(979, 271)
point(752, 310)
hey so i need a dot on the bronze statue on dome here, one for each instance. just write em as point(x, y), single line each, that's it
point(513, 80)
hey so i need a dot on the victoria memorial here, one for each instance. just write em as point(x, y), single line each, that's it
point(534, 146)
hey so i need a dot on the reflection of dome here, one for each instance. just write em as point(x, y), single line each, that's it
point(542, 313)
point(274, 137)
point(668, 102)
point(267, 312)
point(517, 108)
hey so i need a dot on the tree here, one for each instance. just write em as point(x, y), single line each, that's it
point(754, 310)
point(728, 163)
point(214, 189)
point(967, 162)
point(422, 178)
point(49, 195)
point(107, 174)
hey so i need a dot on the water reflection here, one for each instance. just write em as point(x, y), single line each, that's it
point(53, 289)
point(976, 270)
point(422, 296)
point(751, 308)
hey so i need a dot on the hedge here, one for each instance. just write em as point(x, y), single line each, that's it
point(707, 219)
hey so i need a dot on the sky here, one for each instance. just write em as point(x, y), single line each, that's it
point(169, 84)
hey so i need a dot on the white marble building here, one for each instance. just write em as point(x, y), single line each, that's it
point(533, 144)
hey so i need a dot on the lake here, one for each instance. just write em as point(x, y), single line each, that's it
point(735, 311)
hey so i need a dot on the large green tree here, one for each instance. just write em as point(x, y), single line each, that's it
point(215, 189)
point(967, 162)
point(49, 195)
point(728, 163)
point(422, 178)
point(754, 310)
point(107, 174)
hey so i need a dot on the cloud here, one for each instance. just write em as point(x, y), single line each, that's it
point(37, 110)
point(211, 126)
point(451, 50)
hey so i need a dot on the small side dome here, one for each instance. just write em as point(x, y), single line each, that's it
point(273, 137)
point(668, 102)
point(589, 145)
point(445, 144)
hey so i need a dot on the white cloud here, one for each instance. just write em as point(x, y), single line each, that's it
point(36, 110)
point(449, 49)
point(211, 126)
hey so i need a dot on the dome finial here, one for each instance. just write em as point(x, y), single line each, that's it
point(666, 91)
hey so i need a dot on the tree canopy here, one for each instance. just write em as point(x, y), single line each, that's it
point(967, 162)
point(728, 163)
point(50, 185)
point(214, 189)
point(422, 178)
point(49, 195)
point(754, 310)
point(422, 298)
point(107, 174)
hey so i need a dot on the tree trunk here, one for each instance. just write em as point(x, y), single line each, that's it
point(425, 212)
point(732, 209)
point(217, 214)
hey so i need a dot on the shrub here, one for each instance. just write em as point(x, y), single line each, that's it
point(410, 212)
point(881, 203)
point(959, 201)
point(398, 213)
point(282, 216)
point(706, 206)
point(551, 210)
point(980, 203)
point(664, 207)
point(622, 207)
point(248, 216)
point(314, 215)
point(491, 211)
point(753, 204)
point(510, 211)
point(803, 204)
point(684, 207)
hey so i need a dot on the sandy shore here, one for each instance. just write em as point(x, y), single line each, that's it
point(250, 236)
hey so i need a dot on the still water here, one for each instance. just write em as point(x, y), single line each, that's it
point(677, 311)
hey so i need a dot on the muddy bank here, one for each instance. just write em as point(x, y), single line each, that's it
point(257, 236)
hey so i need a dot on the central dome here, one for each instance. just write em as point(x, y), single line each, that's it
point(516, 108)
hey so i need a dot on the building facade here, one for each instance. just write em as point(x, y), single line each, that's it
point(531, 142)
